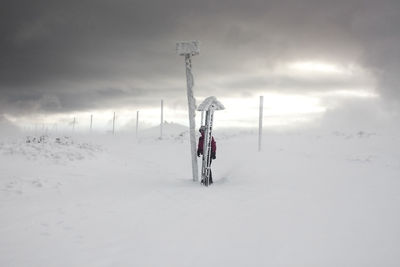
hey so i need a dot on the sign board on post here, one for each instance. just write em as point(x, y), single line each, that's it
point(188, 48)
point(209, 105)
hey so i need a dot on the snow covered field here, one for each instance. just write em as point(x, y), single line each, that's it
point(330, 199)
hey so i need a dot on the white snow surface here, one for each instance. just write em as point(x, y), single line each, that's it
point(329, 199)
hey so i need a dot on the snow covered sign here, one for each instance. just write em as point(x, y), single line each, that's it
point(209, 105)
point(184, 48)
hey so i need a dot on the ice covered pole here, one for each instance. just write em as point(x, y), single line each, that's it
point(162, 119)
point(189, 49)
point(260, 122)
point(137, 123)
point(192, 114)
point(113, 124)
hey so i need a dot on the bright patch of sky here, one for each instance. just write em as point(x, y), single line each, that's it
point(315, 67)
point(281, 109)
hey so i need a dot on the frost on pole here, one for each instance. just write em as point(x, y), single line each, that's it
point(189, 49)
point(209, 105)
point(260, 123)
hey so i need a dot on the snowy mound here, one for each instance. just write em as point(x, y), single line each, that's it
point(59, 149)
point(359, 134)
point(171, 131)
point(312, 196)
point(7, 128)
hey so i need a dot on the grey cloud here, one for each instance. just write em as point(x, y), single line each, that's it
point(290, 83)
point(356, 115)
point(90, 54)
point(49, 102)
point(377, 28)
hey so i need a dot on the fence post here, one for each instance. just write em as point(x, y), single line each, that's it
point(260, 123)
point(137, 123)
point(162, 119)
point(113, 131)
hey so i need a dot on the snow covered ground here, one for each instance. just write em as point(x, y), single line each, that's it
point(330, 199)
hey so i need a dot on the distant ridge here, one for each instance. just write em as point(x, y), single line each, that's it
point(170, 130)
point(7, 128)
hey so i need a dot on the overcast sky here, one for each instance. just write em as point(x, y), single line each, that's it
point(64, 57)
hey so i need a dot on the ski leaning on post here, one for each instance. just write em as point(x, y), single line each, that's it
point(206, 168)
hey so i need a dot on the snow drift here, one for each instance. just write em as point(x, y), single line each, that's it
point(7, 128)
point(328, 199)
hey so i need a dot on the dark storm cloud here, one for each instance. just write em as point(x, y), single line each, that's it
point(71, 51)
point(378, 29)
point(58, 56)
point(292, 84)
